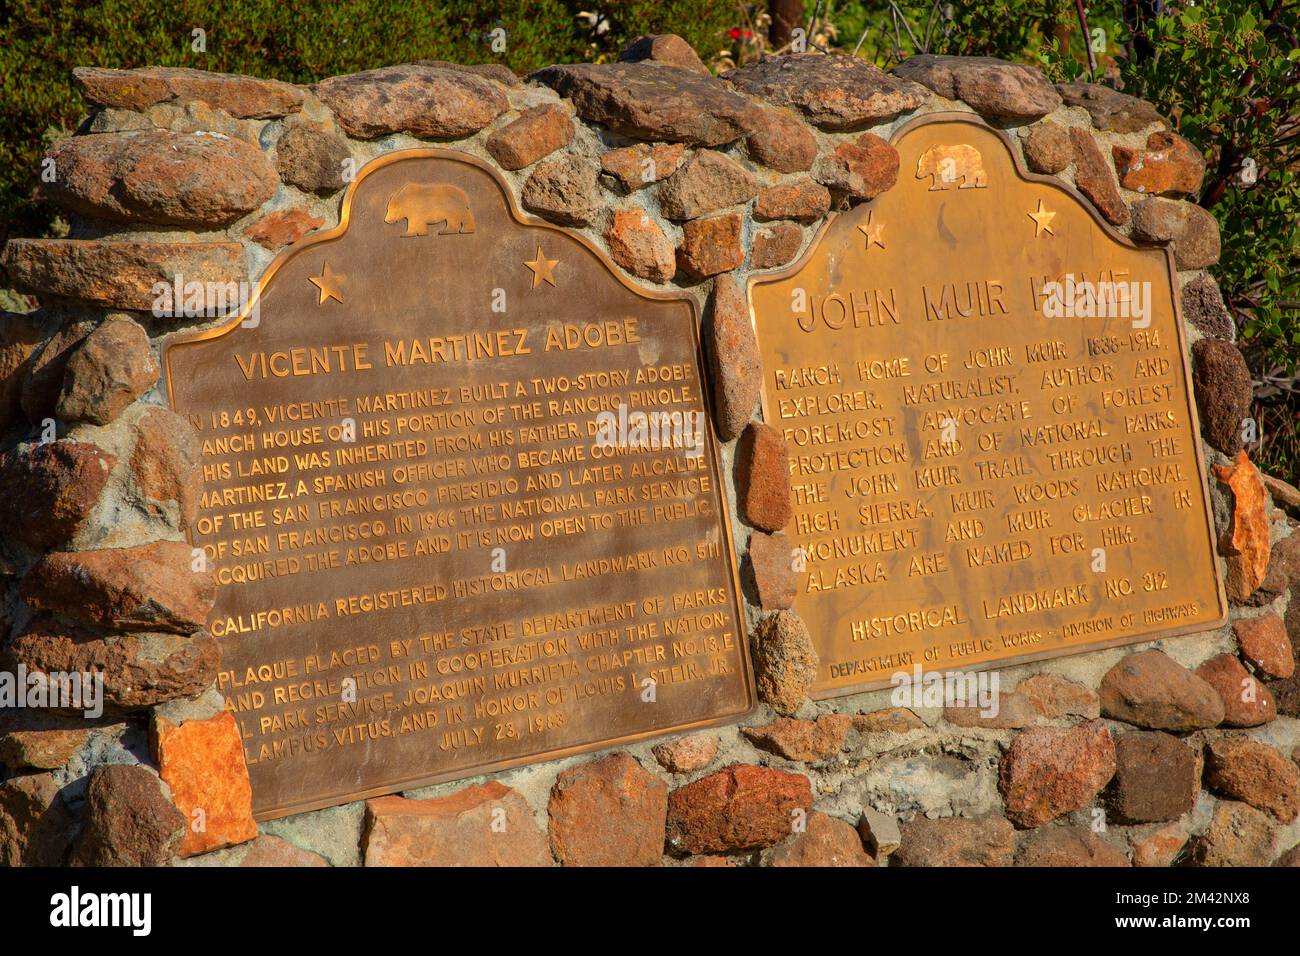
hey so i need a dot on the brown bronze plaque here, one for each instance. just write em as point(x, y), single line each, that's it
point(994, 452)
point(462, 497)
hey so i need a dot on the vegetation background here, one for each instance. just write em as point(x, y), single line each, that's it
point(1225, 72)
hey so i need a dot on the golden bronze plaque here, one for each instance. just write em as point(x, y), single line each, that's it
point(462, 497)
point(993, 445)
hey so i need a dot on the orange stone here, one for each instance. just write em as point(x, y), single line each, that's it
point(203, 763)
point(1246, 546)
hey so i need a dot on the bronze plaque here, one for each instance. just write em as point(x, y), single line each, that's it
point(993, 445)
point(462, 497)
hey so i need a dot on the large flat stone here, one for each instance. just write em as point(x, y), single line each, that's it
point(648, 101)
point(833, 92)
point(154, 176)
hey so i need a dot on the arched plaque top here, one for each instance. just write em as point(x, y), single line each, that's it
point(430, 185)
point(994, 448)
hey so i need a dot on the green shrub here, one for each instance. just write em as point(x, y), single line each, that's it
point(42, 40)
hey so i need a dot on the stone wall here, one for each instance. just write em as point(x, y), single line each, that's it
point(1144, 755)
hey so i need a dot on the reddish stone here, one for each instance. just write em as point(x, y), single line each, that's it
point(687, 754)
point(1238, 835)
point(497, 72)
point(1092, 176)
point(801, 200)
point(1159, 846)
point(1285, 494)
point(710, 246)
point(313, 158)
point(129, 820)
point(44, 380)
point(563, 189)
point(666, 48)
point(152, 587)
point(833, 92)
point(166, 464)
point(265, 851)
point(1283, 565)
point(1168, 165)
point(608, 812)
point(122, 275)
point(139, 669)
point(637, 244)
point(779, 140)
point(1110, 109)
point(1224, 390)
point(35, 824)
point(771, 558)
point(737, 808)
point(707, 182)
point(785, 661)
point(243, 96)
point(1050, 771)
point(1247, 544)
point(763, 478)
point(862, 169)
point(1053, 696)
point(1047, 147)
point(891, 720)
point(1011, 712)
point(1246, 702)
point(987, 840)
point(992, 87)
point(1254, 773)
point(734, 364)
point(537, 132)
point(47, 490)
point(155, 176)
point(487, 824)
point(1199, 245)
point(40, 749)
point(1264, 643)
point(640, 165)
point(775, 245)
point(824, 841)
point(283, 227)
point(1149, 689)
point(806, 740)
point(645, 101)
point(1068, 846)
point(428, 102)
point(20, 338)
point(1159, 220)
point(202, 761)
point(113, 367)
point(1157, 777)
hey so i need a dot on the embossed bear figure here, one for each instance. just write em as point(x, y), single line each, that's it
point(947, 164)
point(425, 204)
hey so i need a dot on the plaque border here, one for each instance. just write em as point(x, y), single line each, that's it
point(186, 337)
point(785, 272)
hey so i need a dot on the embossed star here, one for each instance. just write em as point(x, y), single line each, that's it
point(543, 268)
point(1042, 220)
point(873, 232)
point(330, 284)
